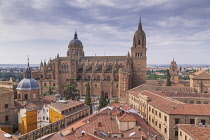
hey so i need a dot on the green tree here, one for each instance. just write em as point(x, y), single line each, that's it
point(87, 98)
point(50, 91)
point(102, 101)
point(168, 78)
point(70, 89)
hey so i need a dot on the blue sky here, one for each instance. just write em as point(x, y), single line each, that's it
point(43, 28)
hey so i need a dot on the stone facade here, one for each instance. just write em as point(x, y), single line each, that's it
point(112, 74)
point(8, 118)
point(200, 81)
point(163, 112)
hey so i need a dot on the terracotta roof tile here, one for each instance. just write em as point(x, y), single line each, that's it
point(90, 137)
point(196, 132)
point(126, 118)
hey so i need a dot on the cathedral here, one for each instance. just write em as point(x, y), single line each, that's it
point(112, 74)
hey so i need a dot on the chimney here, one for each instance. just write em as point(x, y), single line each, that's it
point(109, 134)
point(99, 123)
point(139, 129)
point(95, 132)
point(196, 121)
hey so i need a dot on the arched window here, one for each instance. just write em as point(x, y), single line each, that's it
point(198, 102)
point(108, 77)
point(205, 102)
point(191, 102)
point(139, 42)
point(98, 77)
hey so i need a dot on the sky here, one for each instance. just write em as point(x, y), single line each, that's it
point(178, 29)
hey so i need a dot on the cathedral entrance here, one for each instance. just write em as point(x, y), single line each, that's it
point(106, 95)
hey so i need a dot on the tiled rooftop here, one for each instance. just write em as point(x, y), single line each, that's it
point(61, 106)
point(172, 106)
point(196, 132)
point(2, 136)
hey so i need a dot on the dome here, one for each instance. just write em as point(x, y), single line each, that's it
point(28, 84)
point(75, 41)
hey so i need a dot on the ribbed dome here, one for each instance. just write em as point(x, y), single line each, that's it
point(75, 41)
point(28, 84)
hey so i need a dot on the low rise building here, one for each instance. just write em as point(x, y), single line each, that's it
point(194, 132)
point(117, 121)
point(164, 113)
point(7, 118)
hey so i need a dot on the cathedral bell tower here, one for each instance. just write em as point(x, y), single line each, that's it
point(138, 54)
point(75, 48)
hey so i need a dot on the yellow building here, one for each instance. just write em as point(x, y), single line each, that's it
point(62, 109)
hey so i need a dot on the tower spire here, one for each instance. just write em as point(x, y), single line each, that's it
point(28, 70)
point(140, 25)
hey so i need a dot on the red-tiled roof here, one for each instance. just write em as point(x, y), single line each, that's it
point(126, 118)
point(90, 137)
point(61, 106)
point(172, 106)
point(196, 132)
point(2, 136)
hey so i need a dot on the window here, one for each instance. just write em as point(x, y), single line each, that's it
point(47, 118)
point(198, 102)
point(45, 84)
point(116, 85)
point(72, 51)
point(192, 121)
point(108, 77)
point(26, 96)
point(53, 84)
point(176, 120)
point(149, 109)
point(180, 133)
point(98, 77)
point(165, 130)
point(165, 118)
point(155, 112)
point(159, 125)
point(156, 123)
point(176, 133)
point(159, 114)
point(139, 42)
point(185, 137)
point(191, 102)
point(6, 105)
point(6, 118)
point(152, 110)
point(43, 117)
point(95, 85)
point(203, 122)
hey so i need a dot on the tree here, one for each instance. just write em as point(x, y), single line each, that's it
point(71, 90)
point(87, 98)
point(50, 91)
point(102, 101)
point(168, 76)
